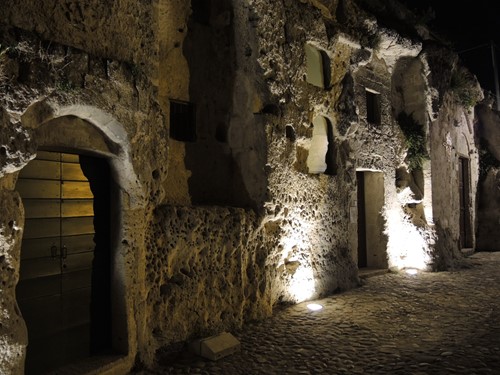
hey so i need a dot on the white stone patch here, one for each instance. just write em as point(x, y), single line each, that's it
point(406, 196)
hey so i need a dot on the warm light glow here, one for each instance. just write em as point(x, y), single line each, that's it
point(411, 271)
point(314, 306)
point(408, 245)
point(302, 284)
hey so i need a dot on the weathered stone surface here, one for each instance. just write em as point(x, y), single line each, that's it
point(13, 335)
point(16, 149)
point(488, 207)
point(219, 231)
point(489, 182)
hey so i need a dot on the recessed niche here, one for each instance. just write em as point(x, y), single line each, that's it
point(318, 67)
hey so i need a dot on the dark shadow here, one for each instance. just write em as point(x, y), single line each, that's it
point(331, 153)
point(216, 178)
point(98, 173)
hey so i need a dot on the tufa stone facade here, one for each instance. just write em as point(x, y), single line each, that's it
point(260, 153)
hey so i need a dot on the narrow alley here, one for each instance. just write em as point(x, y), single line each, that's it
point(396, 323)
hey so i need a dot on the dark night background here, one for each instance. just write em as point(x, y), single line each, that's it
point(470, 27)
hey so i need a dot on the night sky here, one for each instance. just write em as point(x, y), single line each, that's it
point(470, 26)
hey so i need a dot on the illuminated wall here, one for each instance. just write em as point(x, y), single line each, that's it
point(257, 201)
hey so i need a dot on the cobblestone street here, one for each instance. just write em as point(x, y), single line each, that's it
point(429, 323)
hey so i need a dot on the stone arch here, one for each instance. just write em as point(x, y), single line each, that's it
point(463, 147)
point(91, 131)
point(114, 143)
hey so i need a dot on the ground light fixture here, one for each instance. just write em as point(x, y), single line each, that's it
point(314, 306)
point(411, 271)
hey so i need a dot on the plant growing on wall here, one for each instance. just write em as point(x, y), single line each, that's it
point(415, 140)
point(464, 87)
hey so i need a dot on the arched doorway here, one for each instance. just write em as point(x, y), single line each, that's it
point(64, 290)
point(87, 131)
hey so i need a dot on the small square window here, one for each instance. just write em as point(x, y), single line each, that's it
point(182, 121)
point(373, 107)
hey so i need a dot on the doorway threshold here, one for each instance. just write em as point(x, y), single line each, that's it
point(94, 365)
point(367, 272)
point(467, 252)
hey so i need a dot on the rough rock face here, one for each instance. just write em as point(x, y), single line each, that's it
point(262, 152)
point(13, 335)
point(124, 30)
point(454, 155)
point(489, 182)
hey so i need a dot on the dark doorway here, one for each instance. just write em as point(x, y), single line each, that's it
point(361, 220)
point(64, 288)
point(464, 191)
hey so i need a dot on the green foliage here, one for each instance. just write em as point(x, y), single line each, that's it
point(463, 85)
point(415, 140)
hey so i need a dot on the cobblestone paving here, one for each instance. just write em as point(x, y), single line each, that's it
point(430, 323)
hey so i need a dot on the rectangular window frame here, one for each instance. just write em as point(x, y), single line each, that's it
point(373, 107)
point(182, 121)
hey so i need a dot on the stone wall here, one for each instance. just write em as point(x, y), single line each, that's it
point(488, 201)
point(56, 96)
point(125, 30)
point(260, 207)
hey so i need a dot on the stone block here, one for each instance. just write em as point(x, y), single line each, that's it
point(216, 347)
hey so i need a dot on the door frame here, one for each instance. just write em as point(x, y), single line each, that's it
point(464, 188)
point(88, 129)
point(372, 243)
point(99, 339)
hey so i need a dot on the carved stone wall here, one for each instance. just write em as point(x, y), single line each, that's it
point(216, 231)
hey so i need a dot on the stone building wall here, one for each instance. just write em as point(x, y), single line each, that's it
point(60, 97)
point(260, 205)
point(488, 200)
point(453, 139)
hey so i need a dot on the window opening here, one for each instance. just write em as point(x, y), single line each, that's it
point(182, 121)
point(318, 70)
point(372, 107)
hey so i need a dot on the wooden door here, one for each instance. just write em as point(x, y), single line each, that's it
point(465, 219)
point(362, 250)
point(54, 290)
